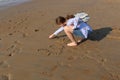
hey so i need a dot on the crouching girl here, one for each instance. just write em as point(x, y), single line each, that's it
point(72, 26)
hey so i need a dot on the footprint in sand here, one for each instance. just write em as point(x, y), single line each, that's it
point(4, 64)
point(21, 21)
point(44, 52)
point(56, 49)
point(13, 50)
point(51, 50)
point(4, 77)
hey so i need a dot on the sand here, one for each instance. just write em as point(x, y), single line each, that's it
point(26, 53)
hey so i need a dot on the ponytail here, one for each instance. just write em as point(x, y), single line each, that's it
point(69, 16)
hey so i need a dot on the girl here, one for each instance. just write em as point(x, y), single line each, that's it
point(72, 25)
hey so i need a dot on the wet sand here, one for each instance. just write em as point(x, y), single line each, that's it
point(4, 4)
point(26, 53)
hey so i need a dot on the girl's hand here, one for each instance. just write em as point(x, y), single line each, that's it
point(51, 36)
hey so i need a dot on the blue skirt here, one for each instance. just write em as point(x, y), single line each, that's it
point(78, 32)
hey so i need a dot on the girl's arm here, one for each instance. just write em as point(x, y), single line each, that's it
point(56, 32)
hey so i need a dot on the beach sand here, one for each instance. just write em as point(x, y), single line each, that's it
point(26, 53)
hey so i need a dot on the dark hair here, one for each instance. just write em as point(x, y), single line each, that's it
point(60, 20)
point(69, 16)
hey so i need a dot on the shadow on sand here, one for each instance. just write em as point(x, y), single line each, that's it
point(99, 34)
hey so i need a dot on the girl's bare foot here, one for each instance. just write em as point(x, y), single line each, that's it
point(72, 44)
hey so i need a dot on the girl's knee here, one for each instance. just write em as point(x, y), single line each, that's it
point(67, 29)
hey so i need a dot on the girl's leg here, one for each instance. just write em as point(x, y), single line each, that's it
point(69, 32)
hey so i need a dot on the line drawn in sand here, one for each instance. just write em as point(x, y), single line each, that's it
point(13, 49)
